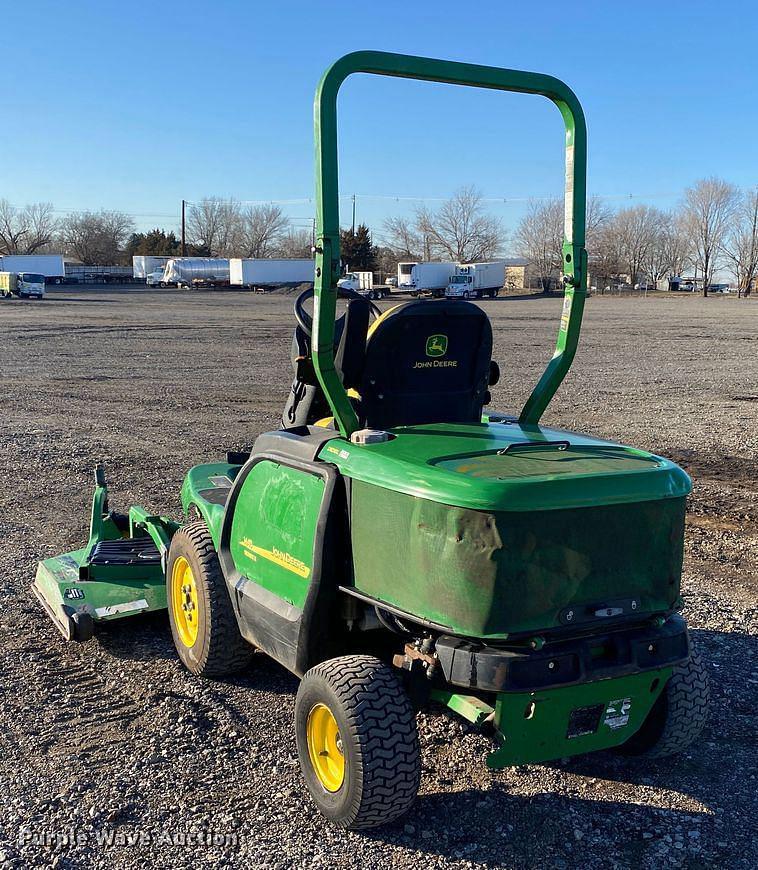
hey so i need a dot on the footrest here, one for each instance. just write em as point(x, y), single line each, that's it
point(125, 551)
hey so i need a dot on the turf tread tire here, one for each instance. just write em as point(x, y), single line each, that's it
point(220, 649)
point(383, 765)
point(678, 716)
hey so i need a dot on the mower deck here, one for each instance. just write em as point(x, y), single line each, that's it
point(115, 579)
point(120, 572)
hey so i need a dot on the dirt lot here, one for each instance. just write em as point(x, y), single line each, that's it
point(112, 741)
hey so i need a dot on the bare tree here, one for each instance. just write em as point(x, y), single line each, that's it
point(741, 245)
point(401, 236)
point(460, 229)
point(598, 216)
point(215, 223)
point(41, 226)
point(539, 236)
point(26, 230)
point(539, 239)
point(707, 211)
point(11, 228)
point(638, 231)
point(95, 237)
point(294, 243)
point(670, 252)
point(260, 227)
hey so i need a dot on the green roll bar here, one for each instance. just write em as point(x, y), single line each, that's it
point(327, 209)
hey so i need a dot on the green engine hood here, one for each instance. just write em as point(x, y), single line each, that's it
point(464, 465)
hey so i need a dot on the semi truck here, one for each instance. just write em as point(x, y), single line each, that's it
point(143, 265)
point(50, 266)
point(475, 280)
point(22, 284)
point(431, 278)
point(363, 283)
point(269, 272)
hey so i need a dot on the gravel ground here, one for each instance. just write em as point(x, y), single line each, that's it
point(110, 754)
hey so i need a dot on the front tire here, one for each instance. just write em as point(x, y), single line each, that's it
point(203, 623)
point(357, 741)
point(677, 717)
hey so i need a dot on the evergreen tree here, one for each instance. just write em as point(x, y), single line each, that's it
point(356, 249)
point(156, 243)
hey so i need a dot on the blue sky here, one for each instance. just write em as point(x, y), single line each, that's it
point(133, 106)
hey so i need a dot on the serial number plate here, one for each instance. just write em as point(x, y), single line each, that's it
point(584, 720)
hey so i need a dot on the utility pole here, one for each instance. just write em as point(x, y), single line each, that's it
point(184, 240)
point(353, 214)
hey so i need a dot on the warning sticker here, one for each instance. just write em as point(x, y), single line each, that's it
point(73, 592)
point(617, 713)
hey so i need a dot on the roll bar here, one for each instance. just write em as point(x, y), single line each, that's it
point(327, 209)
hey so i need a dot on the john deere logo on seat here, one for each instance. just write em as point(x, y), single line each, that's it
point(436, 345)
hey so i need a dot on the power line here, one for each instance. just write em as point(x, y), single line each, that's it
point(353, 197)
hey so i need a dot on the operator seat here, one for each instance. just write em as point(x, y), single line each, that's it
point(306, 402)
point(427, 362)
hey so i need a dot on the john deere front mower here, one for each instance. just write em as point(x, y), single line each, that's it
point(394, 544)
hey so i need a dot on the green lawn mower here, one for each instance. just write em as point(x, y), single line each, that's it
point(394, 545)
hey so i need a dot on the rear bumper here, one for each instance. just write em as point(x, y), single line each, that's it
point(534, 727)
point(573, 662)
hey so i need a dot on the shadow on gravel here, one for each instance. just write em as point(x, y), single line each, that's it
point(137, 638)
point(719, 759)
point(147, 637)
point(550, 829)
point(543, 830)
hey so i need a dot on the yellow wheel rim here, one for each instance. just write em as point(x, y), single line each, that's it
point(325, 747)
point(184, 601)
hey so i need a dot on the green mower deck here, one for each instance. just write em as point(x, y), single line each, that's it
point(120, 572)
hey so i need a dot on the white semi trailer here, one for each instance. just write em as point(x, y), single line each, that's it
point(475, 280)
point(431, 278)
point(50, 266)
point(265, 272)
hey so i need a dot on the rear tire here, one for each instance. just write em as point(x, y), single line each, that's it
point(357, 741)
point(203, 623)
point(677, 717)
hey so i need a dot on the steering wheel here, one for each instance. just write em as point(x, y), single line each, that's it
point(305, 321)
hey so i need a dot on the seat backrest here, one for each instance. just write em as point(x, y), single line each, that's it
point(306, 402)
point(426, 362)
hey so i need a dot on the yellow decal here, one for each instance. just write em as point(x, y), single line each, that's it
point(566, 313)
point(278, 557)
